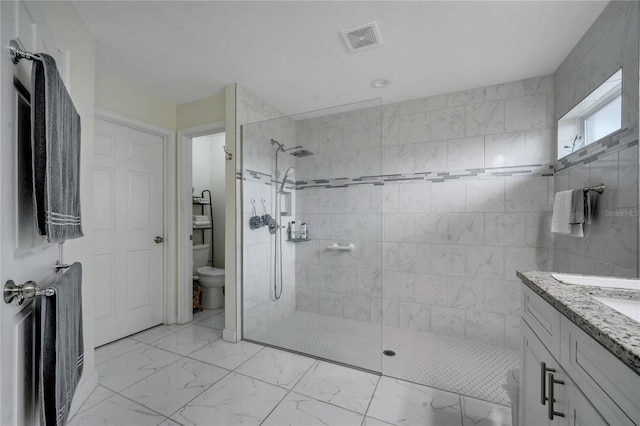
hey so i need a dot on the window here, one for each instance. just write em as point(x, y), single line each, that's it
point(596, 116)
point(603, 120)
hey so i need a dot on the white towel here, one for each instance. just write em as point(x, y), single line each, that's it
point(562, 211)
point(200, 220)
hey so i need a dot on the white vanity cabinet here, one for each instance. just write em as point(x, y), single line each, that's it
point(548, 395)
point(566, 377)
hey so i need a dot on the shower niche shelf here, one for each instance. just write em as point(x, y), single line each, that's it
point(298, 240)
point(285, 203)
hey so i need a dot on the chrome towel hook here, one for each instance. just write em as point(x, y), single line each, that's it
point(227, 154)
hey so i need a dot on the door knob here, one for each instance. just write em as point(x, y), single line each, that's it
point(158, 240)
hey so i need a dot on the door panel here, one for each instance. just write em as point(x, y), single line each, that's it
point(140, 287)
point(104, 290)
point(24, 255)
point(128, 203)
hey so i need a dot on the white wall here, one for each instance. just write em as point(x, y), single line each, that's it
point(218, 191)
point(610, 245)
point(118, 97)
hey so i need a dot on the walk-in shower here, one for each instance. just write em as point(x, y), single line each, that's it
point(397, 274)
point(319, 291)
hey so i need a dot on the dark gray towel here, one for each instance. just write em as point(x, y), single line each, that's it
point(55, 140)
point(62, 347)
point(580, 211)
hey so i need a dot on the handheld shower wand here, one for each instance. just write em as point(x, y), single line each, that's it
point(284, 179)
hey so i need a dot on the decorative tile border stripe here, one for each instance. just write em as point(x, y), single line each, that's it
point(539, 170)
point(617, 141)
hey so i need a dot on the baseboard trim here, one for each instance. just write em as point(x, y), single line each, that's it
point(229, 336)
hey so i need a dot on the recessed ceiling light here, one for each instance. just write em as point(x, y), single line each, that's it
point(380, 83)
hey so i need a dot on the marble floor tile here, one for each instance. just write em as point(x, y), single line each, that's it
point(370, 421)
point(123, 371)
point(170, 388)
point(213, 321)
point(116, 410)
point(114, 349)
point(169, 422)
point(276, 367)
point(234, 400)
point(157, 332)
point(99, 394)
point(206, 313)
point(226, 355)
point(188, 339)
point(404, 403)
point(338, 385)
point(480, 413)
point(298, 409)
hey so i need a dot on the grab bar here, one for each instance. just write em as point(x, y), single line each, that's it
point(337, 247)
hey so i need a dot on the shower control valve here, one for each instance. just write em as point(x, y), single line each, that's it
point(274, 226)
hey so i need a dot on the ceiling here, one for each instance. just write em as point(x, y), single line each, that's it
point(291, 53)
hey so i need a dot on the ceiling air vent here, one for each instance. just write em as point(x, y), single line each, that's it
point(362, 37)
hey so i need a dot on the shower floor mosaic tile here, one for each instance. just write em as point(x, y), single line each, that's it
point(470, 368)
point(262, 386)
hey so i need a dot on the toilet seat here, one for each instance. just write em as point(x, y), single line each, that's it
point(210, 271)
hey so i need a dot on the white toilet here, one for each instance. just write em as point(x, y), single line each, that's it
point(211, 279)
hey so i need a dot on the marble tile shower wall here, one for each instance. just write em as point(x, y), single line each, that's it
point(258, 251)
point(610, 246)
point(442, 212)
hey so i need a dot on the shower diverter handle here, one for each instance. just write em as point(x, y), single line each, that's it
point(273, 227)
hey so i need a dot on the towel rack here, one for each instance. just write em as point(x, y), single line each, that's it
point(597, 188)
point(60, 266)
point(17, 52)
point(23, 292)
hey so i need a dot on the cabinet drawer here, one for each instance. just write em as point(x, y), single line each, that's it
point(601, 376)
point(543, 319)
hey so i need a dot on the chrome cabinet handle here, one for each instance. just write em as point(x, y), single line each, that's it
point(552, 382)
point(543, 381)
point(158, 240)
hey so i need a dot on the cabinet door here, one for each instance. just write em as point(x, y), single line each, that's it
point(580, 411)
point(533, 379)
point(541, 381)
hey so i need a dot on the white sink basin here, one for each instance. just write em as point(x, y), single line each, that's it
point(629, 283)
point(630, 308)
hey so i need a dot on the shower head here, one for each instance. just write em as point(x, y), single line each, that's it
point(284, 179)
point(280, 146)
point(301, 152)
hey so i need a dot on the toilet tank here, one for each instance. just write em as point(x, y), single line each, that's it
point(200, 255)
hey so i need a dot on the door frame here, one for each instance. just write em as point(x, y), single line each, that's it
point(169, 314)
point(185, 211)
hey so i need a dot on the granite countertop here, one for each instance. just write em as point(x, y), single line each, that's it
point(615, 331)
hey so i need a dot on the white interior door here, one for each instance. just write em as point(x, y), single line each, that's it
point(128, 216)
point(24, 255)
